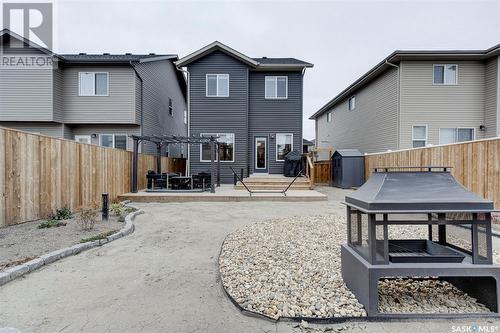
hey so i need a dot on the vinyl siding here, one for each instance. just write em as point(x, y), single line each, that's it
point(118, 107)
point(105, 129)
point(45, 128)
point(159, 83)
point(441, 106)
point(268, 116)
point(26, 94)
point(491, 117)
point(220, 114)
point(371, 126)
point(57, 94)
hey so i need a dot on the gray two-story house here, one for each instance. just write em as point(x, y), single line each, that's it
point(254, 106)
point(91, 98)
point(415, 99)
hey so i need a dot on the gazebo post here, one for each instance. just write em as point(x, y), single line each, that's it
point(212, 166)
point(218, 167)
point(158, 157)
point(135, 161)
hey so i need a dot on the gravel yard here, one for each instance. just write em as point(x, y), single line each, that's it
point(290, 267)
point(23, 242)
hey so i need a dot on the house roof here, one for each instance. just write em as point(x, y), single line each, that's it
point(399, 55)
point(11, 34)
point(256, 63)
point(115, 58)
point(348, 152)
point(306, 142)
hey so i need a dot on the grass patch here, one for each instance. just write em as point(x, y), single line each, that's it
point(51, 224)
point(98, 237)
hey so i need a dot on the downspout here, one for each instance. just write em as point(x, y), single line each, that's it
point(142, 97)
point(188, 102)
point(399, 102)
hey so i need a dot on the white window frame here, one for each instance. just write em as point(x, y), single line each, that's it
point(456, 133)
point(113, 136)
point(83, 137)
point(444, 75)
point(217, 152)
point(217, 95)
point(413, 134)
point(276, 146)
point(93, 81)
point(352, 98)
point(275, 79)
point(329, 117)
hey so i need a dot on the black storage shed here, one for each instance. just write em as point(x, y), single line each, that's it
point(348, 168)
point(293, 164)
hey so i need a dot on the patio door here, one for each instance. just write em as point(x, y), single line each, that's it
point(260, 155)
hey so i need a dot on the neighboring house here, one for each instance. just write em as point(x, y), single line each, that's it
point(254, 105)
point(307, 145)
point(414, 99)
point(99, 99)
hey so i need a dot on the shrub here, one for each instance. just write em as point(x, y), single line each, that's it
point(63, 213)
point(87, 218)
point(98, 237)
point(116, 209)
point(51, 223)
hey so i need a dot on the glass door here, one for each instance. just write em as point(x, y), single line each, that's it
point(261, 154)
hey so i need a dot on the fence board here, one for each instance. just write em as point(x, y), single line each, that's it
point(39, 174)
point(476, 165)
point(322, 173)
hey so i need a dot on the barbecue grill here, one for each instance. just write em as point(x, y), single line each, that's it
point(458, 246)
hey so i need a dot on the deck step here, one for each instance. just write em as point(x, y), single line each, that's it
point(294, 186)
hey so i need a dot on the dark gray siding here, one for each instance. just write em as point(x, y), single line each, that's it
point(268, 116)
point(220, 114)
point(159, 83)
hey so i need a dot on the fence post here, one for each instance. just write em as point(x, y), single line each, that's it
point(135, 161)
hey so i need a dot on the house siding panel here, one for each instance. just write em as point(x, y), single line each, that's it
point(118, 107)
point(45, 128)
point(491, 120)
point(220, 114)
point(105, 129)
point(439, 106)
point(371, 126)
point(159, 83)
point(267, 116)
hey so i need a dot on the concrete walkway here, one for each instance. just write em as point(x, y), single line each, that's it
point(163, 278)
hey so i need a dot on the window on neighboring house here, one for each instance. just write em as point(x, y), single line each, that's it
point(419, 136)
point(445, 74)
point(93, 84)
point(118, 141)
point(185, 117)
point(351, 103)
point(284, 145)
point(276, 87)
point(329, 117)
point(453, 135)
point(170, 107)
point(226, 148)
point(217, 85)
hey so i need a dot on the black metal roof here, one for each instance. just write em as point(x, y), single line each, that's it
point(114, 58)
point(415, 192)
point(281, 61)
point(349, 153)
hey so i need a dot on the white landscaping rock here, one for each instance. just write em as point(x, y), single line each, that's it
point(291, 267)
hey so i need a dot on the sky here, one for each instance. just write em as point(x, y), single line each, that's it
point(343, 39)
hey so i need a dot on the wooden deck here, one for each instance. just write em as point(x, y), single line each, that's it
point(223, 193)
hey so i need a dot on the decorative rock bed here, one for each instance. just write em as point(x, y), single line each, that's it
point(290, 267)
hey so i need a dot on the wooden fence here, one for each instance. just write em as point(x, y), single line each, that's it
point(476, 165)
point(39, 174)
point(322, 172)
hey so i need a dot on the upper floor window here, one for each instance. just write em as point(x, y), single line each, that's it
point(419, 136)
point(329, 117)
point(93, 83)
point(276, 87)
point(170, 107)
point(284, 145)
point(445, 74)
point(351, 103)
point(453, 135)
point(217, 85)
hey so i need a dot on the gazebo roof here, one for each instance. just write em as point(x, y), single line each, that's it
point(415, 192)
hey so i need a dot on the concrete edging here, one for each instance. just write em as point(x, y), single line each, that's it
point(45, 259)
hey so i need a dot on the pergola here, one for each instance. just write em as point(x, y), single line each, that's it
point(166, 140)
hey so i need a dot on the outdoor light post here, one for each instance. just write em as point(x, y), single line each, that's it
point(105, 206)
